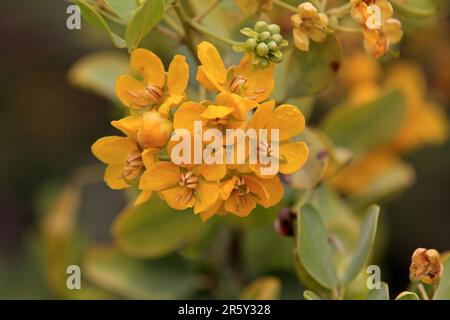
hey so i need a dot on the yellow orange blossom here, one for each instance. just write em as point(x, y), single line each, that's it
point(155, 90)
point(244, 79)
point(253, 6)
point(290, 122)
point(308, 23)
point(380, 30)
point(240, 194)
point(181, 188)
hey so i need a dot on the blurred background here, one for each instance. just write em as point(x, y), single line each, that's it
point(48, 126)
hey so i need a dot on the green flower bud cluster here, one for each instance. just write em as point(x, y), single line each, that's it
point(264, 42)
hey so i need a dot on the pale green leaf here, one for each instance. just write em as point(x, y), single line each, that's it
point(443, 290)
point(407, 295)
point(123, 8)
point(314, 249)
point(309, 295)
point(364, 246)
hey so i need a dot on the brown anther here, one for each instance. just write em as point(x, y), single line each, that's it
point(154, 93)
point(237, 83)
point(189, 180)
point(265, 148)
point(241, 187)
point(220, 121)
point(133, 166)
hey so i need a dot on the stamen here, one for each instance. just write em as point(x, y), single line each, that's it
point(237, 83)
point(189, 180)
point(154, 93)
point(133, 166)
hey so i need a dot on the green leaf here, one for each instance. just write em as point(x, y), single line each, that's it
point(93, 17)
point(399, 176)
point(314, 250)
point(123, 8)
point(407, 295)
point(364, 246)
point(367, 127)
point(309, 295)
point(153, 229)
point(443, 290)
point(167, 278)
point(379, 294)
point(307, 73)
point(414, 8)
point(143, 21)
point(98, 72)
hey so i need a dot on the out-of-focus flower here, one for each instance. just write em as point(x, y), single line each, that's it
point(289, 122)
point(244, 80)
point(380, 30)
point(253, 6)
point(154, 90)
point(264, 44)
point(425, 121)
point(425, 266)
point(308, 24)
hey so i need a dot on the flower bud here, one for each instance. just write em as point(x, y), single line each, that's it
point(251, 44)
point(274, 29)
point(262, 49)
point(277, 38)
point(260, 26)
point(284, 224)
point(425, 266)
point(155, 130)
point(272, 45)
point(264, 36)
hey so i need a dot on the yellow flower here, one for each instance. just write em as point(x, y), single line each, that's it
point(240, 194)
point(154, 89)
point(379, 28)
point(308, 23)
point(244, 80)
point(155, 129)
point(290, 122)
point(181, 188)
point(425, 266)
point(228, 112)
point(425, 122)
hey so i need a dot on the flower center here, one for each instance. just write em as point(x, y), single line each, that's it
point(265, 148)
point(133, 166)
point(237, 83)
point(240, 187)
point(219, 122)
point(153, 93)
point(188, 179)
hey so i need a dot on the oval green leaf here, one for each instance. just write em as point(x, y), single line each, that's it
point(407, 295)
point(153, 229)
point(366, 127)
point(443, 290)
point(167, 278)
point(93, 17)
point(364, 246)
point(143, 21)
point(124, 9)
point(314, 249)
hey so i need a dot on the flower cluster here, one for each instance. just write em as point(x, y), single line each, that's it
point(380, 30)
point(159, 107)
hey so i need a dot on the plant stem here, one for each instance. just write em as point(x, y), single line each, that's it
point(199, 28)
point(423, 293)
point(340, 11)
point(188, 37)
point(336, 26)
point(174, 25)
point(202, 15)
point(167, 32)
point(286, 6)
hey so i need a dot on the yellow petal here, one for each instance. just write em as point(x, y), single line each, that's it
point(113, 149)
point(186, 115)
point(274, 189)
point(257, 188)
point(227, 187)
point(129, 126)
point(212, 63)
point(213, 172)
point(393, 30)
point(169, 103)
point(292, 156)
point(259, 83)
point(149, 157)
point(130, 92)
point(207, 195)
point(241, 206)
point(213, 112)
point(160, 176)
point(301, 39)
point(208, 214)
point(261, 116)
point(179, 198)
point(288, 119)
point(143, 197)
point(240, 105)
point(150, 66)
point(207, 81)
point(178, 76)
point(114, 176)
